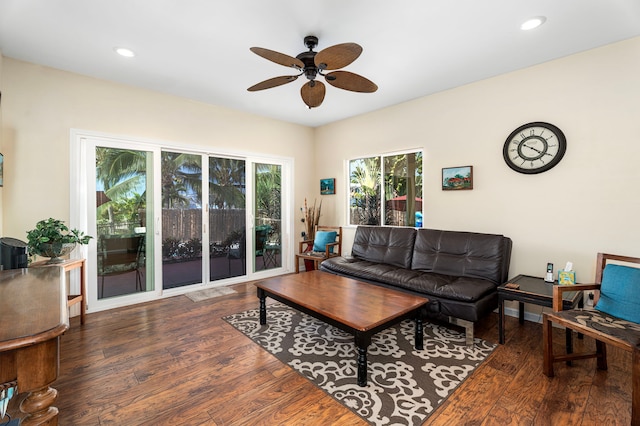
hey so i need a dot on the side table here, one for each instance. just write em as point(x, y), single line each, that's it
point(536, 291)
point(69, 265)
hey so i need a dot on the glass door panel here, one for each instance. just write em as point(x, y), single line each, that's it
point(267, 244)
point(227, 218)
point(181, 195)
point(121, 218)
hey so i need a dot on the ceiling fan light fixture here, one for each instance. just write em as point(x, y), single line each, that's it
point(532, 23)
point(123, 51)
point(312, 64)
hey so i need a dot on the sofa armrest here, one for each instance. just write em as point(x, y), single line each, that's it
point(558, 291)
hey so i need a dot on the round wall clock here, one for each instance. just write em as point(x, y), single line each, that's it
point(534, 147)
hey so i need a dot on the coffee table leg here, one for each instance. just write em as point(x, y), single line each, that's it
point(263, 306)
point(362, 366)
point(419, 334)
point(362, 343)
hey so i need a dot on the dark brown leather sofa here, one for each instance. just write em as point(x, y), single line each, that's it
point(458, 271)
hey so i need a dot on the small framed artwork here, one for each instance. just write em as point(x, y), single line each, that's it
point(457, 178)
point(327, 186)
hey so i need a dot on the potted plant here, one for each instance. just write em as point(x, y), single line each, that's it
point(52, 238)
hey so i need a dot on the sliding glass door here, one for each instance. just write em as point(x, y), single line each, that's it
point(123, 190)
point(167, 220)
point(181, 195)
point(268, 216)
point(227, 218)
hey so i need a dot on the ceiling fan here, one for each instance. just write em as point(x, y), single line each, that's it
point(312, 64)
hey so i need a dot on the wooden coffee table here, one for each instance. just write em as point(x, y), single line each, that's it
point(356, 307)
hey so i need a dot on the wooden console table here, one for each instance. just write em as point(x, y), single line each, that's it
point(70, 265)
point(33, 315)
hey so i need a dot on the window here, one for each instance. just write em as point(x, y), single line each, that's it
point(396, 179)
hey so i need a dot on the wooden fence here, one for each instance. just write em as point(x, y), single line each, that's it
point(184, 225)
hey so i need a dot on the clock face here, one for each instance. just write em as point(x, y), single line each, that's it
point(534, 148)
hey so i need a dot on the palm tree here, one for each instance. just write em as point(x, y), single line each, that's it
point(226, 183)
point(181, 179)
point(121, 173)
point(268, 190)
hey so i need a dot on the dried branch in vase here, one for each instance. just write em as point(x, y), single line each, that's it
point(310, 217)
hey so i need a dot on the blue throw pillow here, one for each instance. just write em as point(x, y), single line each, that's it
point(322, 239)
point(620, 292)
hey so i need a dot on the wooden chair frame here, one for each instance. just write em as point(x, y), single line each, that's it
point(306, 246)
point(629, 340)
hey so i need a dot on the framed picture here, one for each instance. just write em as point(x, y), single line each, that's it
point(327, 186)
point(457, 178)
point(1, 169)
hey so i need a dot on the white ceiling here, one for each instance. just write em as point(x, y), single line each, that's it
point(199, 49)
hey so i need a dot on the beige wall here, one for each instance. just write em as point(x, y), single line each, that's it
point(41, 105)
point(1, 147)
point(590, 202)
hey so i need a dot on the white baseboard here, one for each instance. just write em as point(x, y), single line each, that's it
point(528, 316)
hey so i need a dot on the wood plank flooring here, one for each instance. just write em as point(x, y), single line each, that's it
point(176, 362)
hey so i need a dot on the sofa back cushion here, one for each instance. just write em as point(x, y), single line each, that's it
point(384, 244)
point(463, 254)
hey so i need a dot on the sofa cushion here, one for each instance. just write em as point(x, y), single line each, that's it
point(462, 254)
point(465, 289)
point(383, 244)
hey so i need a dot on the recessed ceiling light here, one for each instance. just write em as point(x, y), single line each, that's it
point(122, 51)
point(532, 23)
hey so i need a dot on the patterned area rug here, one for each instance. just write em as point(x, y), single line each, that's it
point(404, 385)
point(208, 293)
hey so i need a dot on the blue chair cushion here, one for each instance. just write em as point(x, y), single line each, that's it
point(620, 292)
point(322, 239)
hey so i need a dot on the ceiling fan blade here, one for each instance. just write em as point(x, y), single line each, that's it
point(349, 81)
point(337, 56)
point(313, 93)
point(278, 58)
point(273, 82)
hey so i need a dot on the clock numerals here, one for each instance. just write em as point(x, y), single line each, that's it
point(529, 149)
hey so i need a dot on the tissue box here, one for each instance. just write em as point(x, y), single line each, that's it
point(566, 277)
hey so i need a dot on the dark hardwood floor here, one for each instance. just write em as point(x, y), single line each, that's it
point(176, 362)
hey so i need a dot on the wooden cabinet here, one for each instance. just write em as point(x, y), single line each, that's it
point(33, 316)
